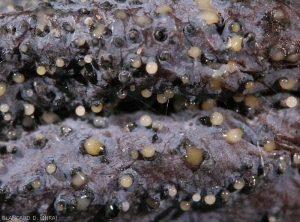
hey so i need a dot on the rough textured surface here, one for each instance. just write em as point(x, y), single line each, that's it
point(268, 57)
point(223, 164)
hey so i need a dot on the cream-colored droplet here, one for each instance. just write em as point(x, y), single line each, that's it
point(164, 9)
point(126, 181)
point(93, 147)
point(145, 120)
point(196, 197)
point(88, 21)
point(216, 83)
point(134, 154)
point(151, 68)
point(172, 191)
point(194, 52)
point(204, 4)
point(82, 203)
point(60, 206)
point(41, 70)
point(80, 110)
point(272, 218)
point(239, 183)
point(7, 117)
point(190, 104)
point(208, 104)
point(291, 102)
point(98, 31)
point(18, 77)
point(277, 54)
point(59, 62)
point(269, 145)
point(79, 42)
point(146, 93)
point(210, 17)
point(251, 101)
point(56, 33)
point(142, 20)
point(161, 98)
point(210, 199)
point(225, 194)
point(3, 88)
point(235, 27)
point(4, 107)
point(232, 66)
point(293, 57)
point(286, 83)
point(36, 184)
point(238, 97)
point(169, 93)
point(234, 135)
point(185, 205)
point(148, 151)
point(156, 125)
point(136, 62)
point(51, 168)
point(39, 136)
point(79, 179)
point(249, 85)
point(28, 109)
point(29, 92)
point(296, 158)
point(97, 108)
point(235, 43)
point(50, 117)
point(185, 79)
point(120, 14)
point(10, 148)
point(216, 118)
point(278, 14)
point(88, 58)
point(125, 206)
point(24, 48)
point(129, 126)
point(81, 62)
point(194, 156)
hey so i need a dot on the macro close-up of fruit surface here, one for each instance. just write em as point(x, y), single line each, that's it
point(150, 110)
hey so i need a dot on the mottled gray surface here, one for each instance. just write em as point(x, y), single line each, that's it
point(63, 89)
point(152, 177)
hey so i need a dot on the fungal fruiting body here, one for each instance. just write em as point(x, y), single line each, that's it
point(93, 147)
point(124, 110)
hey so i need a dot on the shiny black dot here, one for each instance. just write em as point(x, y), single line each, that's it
point(154, 138)
point(2, 149)
point(68, 27)
point(119, 41)
point(24, 26)
point(161, 34)
point(44, 32)
point(164, 55)
point(249, 37)
point(107, 33)
point(11, 29)
point(124, 77)
point(83, 11)
point(95, 41)
point(205, 120)
point(189, 30)
point(132, 36)
point(106, 5)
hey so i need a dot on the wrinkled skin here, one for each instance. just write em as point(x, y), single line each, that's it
point(275, 189)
